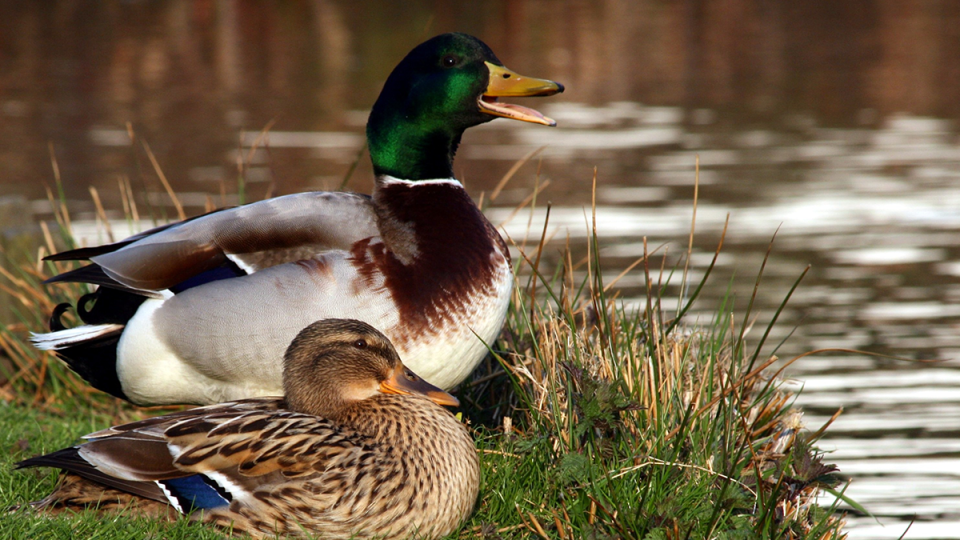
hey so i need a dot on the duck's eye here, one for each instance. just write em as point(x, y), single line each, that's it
point(449, 60)
point(360, 344)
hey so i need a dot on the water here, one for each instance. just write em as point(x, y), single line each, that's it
point(830, 127)
point(875, 212)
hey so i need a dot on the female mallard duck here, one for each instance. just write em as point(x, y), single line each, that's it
point(358, 448)
point(200, 311)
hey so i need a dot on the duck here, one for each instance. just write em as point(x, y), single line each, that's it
point(358, 447)
point(200, 311)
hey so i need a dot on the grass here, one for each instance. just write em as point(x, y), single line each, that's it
point(591, 421)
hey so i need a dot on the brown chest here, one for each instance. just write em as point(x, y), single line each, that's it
point(437, 255)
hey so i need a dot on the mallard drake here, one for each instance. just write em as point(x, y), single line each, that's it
point(359, 447)
point(200, 311)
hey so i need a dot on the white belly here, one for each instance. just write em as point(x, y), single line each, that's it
point(226, 340)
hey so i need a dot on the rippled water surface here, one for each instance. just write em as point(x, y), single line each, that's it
point(875, 212)
point(834, 131)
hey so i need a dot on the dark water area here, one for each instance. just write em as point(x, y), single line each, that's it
point(831, 124)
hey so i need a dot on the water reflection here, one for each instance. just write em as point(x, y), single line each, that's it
point(832, 124)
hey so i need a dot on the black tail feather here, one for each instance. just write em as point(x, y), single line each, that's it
point(110, 306)
point(55, 323)
point(96, 359)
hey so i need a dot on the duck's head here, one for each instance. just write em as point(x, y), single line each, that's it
point(444, 86)
point(335, 363)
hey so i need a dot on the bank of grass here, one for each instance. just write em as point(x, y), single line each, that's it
point(591, 421)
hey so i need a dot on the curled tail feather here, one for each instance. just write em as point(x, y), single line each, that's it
point(90, 350)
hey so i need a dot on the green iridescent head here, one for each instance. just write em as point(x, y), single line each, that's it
point(444, 86)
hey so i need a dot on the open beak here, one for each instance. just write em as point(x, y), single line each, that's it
point(404, 381)
point(506, 83)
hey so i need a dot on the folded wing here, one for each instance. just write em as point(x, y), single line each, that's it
point(248, 238)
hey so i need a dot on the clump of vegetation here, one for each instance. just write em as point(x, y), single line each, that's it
point(28, 376)
point(592, 421)
point(629, 425)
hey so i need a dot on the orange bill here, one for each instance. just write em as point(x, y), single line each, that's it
point(404, 381)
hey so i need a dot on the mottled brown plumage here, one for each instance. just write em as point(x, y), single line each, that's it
point(359, 448)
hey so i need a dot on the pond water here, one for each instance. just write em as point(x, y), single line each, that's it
point(832, 128)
